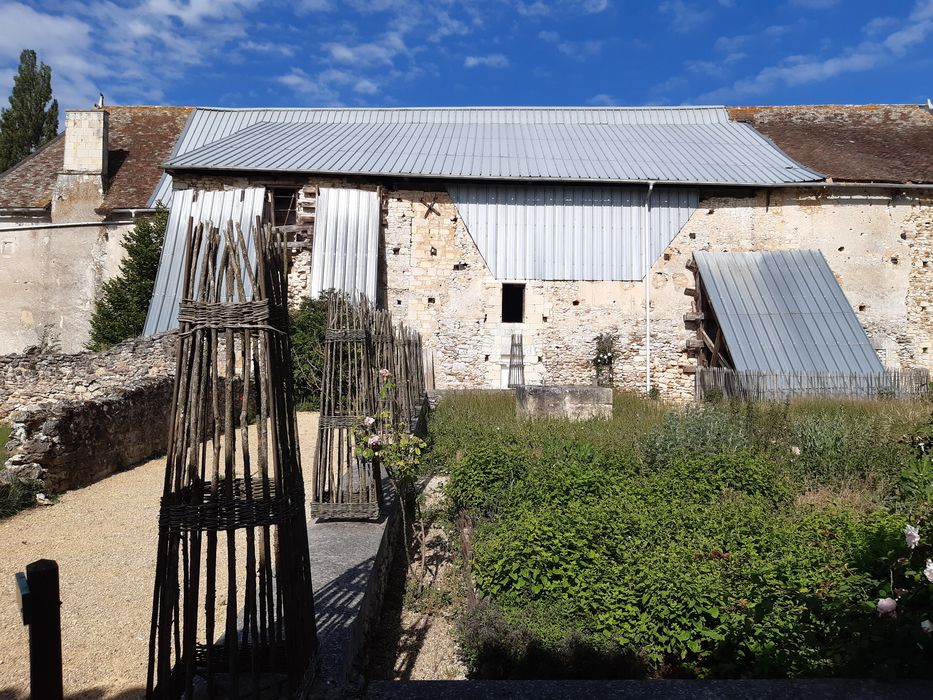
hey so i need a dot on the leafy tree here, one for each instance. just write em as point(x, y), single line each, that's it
point(120, 310)
point(30, 121)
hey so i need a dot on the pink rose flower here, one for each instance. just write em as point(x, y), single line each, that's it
point(374, 440)
point(887, 607)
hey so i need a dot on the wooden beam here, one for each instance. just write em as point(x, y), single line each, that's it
point(689, 369)
point(690, 291)
point(693, 316)
point(695, 343)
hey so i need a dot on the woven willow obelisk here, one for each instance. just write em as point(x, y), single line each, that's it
point(233, 612)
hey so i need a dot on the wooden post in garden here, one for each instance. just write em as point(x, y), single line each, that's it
point(40, 606)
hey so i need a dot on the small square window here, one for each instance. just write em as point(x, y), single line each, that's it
point(513, 303)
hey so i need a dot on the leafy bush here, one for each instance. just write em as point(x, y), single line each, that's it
point(675, 542)
point(307, 324)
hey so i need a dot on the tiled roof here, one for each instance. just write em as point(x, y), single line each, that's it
point(141, 138)
point(29, 183)
point(857, 143)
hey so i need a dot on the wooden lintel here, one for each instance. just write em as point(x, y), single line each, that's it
point(293, 228)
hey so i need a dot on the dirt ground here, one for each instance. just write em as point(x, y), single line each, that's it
point(104, 540)
point(415, 639)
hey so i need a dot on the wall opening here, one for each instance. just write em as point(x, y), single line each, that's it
point(283, 206)
point(513, 303)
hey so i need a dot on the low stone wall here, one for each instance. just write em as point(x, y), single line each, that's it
point(34, 378)
point(70, 444)
point(563, 402)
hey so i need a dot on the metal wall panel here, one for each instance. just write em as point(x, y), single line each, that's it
point(784, 311)
point(239, 205)
point(346, 241)
point(668, 145)
point(570, 233)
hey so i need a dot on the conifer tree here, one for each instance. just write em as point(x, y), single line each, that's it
point(120, 310)
point(30, 121)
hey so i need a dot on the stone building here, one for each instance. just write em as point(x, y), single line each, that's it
point(63, 213)
point(473, 225)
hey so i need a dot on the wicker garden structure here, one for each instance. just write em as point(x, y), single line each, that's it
point(372, 368)
point(233, 611)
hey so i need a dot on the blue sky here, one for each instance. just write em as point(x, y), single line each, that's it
point(482, 52)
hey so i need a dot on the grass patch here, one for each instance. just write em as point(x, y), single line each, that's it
point(5, 431)
point(727, 540)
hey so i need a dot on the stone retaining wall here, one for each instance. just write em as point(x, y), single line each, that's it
point(70, 444)
point(34, 378)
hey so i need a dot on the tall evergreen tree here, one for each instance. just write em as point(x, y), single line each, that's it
point(120, 310)
point(30, 121)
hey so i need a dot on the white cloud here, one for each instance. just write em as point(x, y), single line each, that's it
point(493, 60)
point(815, 4)
point(795, 70)
point(685, 17)
point(602, 100)
point(579, 50)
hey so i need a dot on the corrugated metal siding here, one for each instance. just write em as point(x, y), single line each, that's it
point(784, 311)
point(570, 233)
point(241, 205)
point(346, 241)
point(673, 145)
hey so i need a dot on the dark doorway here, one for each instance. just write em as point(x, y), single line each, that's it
point(513, 303)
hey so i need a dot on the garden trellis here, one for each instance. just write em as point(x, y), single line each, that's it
point(232, 520)
point(359, 342)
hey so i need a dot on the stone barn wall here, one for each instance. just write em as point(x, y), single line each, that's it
point(878, 242)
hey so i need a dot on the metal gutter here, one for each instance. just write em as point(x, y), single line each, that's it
point(78, 224)
point(647, 267)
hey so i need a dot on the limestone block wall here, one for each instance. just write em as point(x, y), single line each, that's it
point(50, 279)
point(35, 379)
point(70, 444)
point(878, 242)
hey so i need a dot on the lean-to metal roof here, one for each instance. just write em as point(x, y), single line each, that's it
point(538, 232)
point(346, 242)
point(684, 145)
point(239, 205)
point(784, 311)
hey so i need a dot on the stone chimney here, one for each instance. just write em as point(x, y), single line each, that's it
point(79, 189)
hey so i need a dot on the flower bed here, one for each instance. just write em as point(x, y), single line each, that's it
point(716, 541)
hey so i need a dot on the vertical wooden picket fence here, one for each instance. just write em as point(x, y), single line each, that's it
point(372, 367)
point(773, 386)
point(233, 610)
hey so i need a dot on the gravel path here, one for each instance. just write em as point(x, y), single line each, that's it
point(104, 540)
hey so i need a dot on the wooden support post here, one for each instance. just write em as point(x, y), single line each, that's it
point(42, 613)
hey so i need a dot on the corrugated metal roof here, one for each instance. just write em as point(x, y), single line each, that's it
point(696, 145)
point(346, 241)
point(241, 205)
point(570, 233)
point(784, 311)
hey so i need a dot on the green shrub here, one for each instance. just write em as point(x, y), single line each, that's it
point(698, 430)
point(307, 324)
point(679, 542)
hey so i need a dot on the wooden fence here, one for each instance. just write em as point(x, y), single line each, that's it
point(233, 612)
point(373, 367)
point(773, 386)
